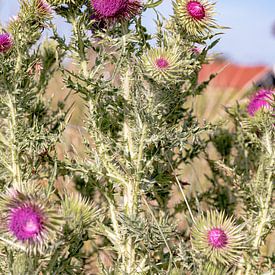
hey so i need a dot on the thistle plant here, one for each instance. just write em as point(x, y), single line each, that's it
point(249, 175)
point(60, 214)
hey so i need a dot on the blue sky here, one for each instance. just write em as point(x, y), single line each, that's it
point(249, 41)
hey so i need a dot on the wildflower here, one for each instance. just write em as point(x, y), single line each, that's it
point(5, 42)
point(218, 238)
point(161, 64)
point(196, 17)
point(196, 51)
point(29, 219)
point(44, 8)
point(116, 10)
point(259, 100)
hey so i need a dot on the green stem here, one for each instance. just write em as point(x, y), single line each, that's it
point(81, 50)
point(132, 186)
point(140, 149)
point(265, 209)
point(264, 218)
point(14, 152)
point(156, 222)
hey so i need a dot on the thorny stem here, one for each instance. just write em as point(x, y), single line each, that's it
point(81, 50)
point(126, 129)
point(266, 207)
point(155, 220)
point(263, 214)
point(13, 244)
point(131, 189)
point(264, 217)
point(140, 149)
point(14, 153)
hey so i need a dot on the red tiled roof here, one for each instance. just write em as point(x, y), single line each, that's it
point(232, 76)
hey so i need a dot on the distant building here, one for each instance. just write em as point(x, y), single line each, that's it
point(232, 84)
point(237, 77)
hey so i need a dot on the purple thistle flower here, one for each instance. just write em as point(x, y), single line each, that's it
point(217, 238)
point(195, 16)
point(29, 218)
point(196, 50)
point(196, 10)
point(6, 42)
point(44, 7)
point(162, 63)
point(115, 10)
point(26, 222)
point(259, 100)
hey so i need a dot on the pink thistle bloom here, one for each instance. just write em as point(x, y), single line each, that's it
point(259, 100)
point(29, 219)
point(196, 50)
point(26, 222)
point(196, 10)
point(44, 7)
point(217, 238)
point(162, 63)
point(116, 10)
point(195, 16)
point(6, 42)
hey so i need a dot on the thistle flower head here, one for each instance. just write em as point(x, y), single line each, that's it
point(79, 211)
point(162, 65)
point(196, 51)
point(26, 222)
point(218, 238)
point(194, 16)
point(6, 42)
point(44, 8)
point(116, 10)
point(196, 10)
point(29, 219)
point(259, 101)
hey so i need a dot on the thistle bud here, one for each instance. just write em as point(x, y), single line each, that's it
point(78, 210)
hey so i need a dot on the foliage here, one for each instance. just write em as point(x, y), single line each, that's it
point(139, 128)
